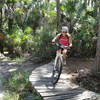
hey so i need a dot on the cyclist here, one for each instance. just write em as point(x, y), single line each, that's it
point(65, 39)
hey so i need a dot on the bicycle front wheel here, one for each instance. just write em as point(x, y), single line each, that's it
point(57, 69)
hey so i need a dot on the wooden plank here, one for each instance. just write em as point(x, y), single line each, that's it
point(74, 98)
point(60, 93)
point(41, 90)
point(59, 89)
point(62, 97)
point(47, 87)
point(47, 84)
point(82, 95)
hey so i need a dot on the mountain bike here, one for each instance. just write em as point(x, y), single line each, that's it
point(58, 64)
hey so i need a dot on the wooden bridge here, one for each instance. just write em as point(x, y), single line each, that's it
point(40, 79)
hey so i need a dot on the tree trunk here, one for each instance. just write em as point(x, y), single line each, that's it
point(97, 58)
point(58, 15)
point(96, 68)
point(1, 19)
point(10, 17)
point(1, 34)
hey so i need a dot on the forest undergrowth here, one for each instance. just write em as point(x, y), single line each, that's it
point(80, 71)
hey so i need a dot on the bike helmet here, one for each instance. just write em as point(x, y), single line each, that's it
point(65, 29)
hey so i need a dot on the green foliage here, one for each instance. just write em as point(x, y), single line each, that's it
point(52, 5)
point(18, 81)
point(28, 30)
point(42, 44)
point(27, 1)
point(20, 40)
point(80, 17)
point(52, 13)
point(17, 87)
point(19, 11)
point(30, 96)
point(30, 15)
point(16, 36)
point(85, 34)
point(62, 7)
point(10, 96)
point(12, 1)
point(1, 4)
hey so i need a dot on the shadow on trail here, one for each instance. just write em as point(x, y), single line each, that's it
point(41, 81)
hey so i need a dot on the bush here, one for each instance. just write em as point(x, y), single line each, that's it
point(17, 87)
point(42, 46)
point(83, 41)
point(19, 41)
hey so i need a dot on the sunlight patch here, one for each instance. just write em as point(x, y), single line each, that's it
point(1, 96)
point(12, 70)
point(11, 63)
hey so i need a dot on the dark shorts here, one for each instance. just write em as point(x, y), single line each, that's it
point(62, 47)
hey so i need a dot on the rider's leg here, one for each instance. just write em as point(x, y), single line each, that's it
point(58, 51)
point(65, 55)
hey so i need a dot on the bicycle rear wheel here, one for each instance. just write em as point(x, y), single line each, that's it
point(57, 69)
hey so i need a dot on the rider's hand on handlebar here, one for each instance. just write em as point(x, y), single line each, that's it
point(70, 45)
point(53, 41)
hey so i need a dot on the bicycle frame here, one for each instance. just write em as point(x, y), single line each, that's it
point(57, 69)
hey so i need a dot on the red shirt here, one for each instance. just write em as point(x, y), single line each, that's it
point(64, 40)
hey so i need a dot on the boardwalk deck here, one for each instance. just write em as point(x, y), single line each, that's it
point(40, 79)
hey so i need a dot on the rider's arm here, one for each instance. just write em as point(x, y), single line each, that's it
point(56, 37)
point(70, 39)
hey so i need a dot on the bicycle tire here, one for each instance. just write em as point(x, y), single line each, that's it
point(57, 69)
